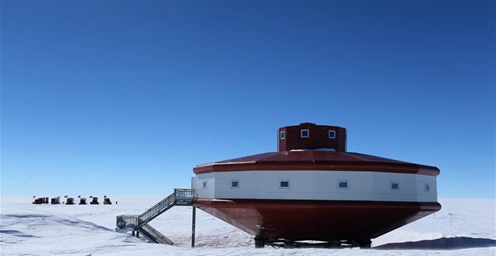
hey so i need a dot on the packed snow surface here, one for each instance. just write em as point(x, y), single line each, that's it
point(462, 227)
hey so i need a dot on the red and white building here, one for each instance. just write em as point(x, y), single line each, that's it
point(312, 189)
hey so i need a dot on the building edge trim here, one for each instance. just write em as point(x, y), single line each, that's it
point(315, 166)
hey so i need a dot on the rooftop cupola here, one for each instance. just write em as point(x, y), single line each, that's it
point(311, 136)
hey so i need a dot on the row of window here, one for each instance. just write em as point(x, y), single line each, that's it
point(305, 133)
point(342, 184)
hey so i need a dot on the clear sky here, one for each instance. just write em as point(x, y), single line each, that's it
point(126, 97)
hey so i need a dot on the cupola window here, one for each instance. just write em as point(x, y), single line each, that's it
point(282, 135)
point(305, 133)
point(332, 134)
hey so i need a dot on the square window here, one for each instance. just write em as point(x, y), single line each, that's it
point(204, 184)
point(343, 184)
point(426, 187)
point(282, 135)
point(332, 134)
point(284, 184)
point(305, 133)
point(234, 183)
point(395, 186)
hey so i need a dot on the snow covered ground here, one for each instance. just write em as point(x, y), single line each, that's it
point(462, 227)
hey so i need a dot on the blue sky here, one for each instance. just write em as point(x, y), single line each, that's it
point(126, 97)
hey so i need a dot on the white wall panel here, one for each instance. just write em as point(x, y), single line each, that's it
point(318, 185)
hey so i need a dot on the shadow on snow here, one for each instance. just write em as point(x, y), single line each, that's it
point(444, 243)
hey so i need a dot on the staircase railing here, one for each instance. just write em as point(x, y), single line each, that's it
point(154, 235)
point(156, 210)
point(184, 196)
point(127, 221)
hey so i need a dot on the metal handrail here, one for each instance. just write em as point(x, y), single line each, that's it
point(184, 196)
point(180, 196)
point(156, 209)
point(127, 221)
point(183, 193)
point(156, 235)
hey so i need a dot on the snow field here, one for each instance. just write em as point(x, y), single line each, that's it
point(28, 229)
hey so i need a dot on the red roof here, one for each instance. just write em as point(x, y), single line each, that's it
point(315, 160)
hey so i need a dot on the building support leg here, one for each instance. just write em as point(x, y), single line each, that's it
point(335, 244)
point(365, 244)
point(259, 242)
point(288, 244)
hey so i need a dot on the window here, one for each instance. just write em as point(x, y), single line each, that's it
point(305, 133)
point(282, 135)
point(204, 184)
point(234, 183)
point(426, 187)
point(343, 184)
point(332, 134)
point(284, 184)
point(395, 186)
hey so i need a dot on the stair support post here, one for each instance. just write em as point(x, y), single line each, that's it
point(193, 227)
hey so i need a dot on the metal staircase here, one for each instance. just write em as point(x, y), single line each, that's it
point(154, 235)
point(139, 223)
